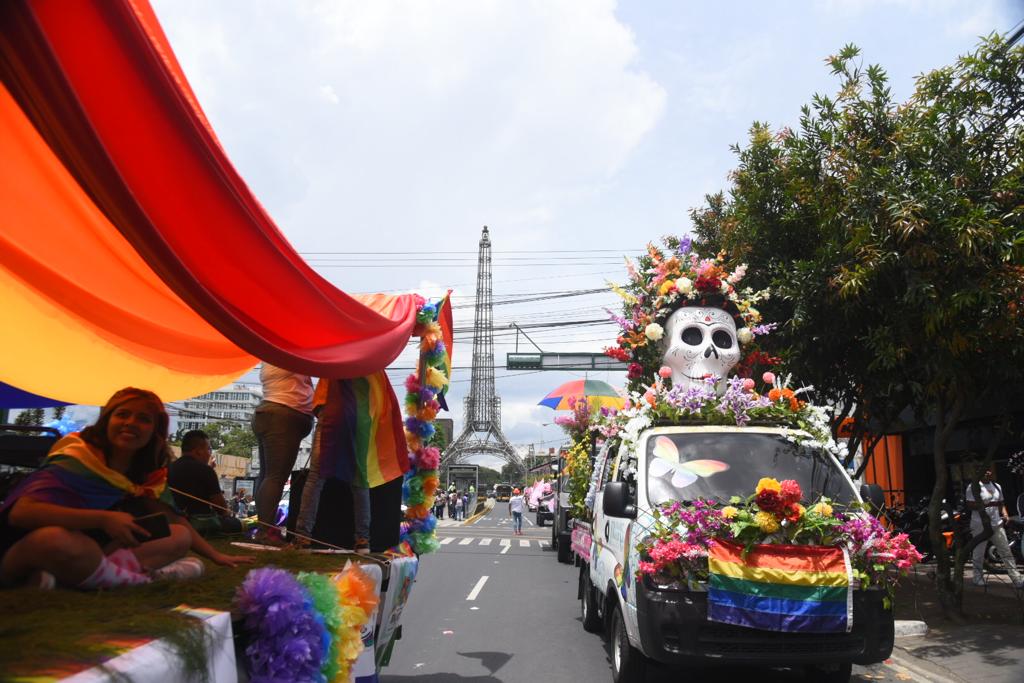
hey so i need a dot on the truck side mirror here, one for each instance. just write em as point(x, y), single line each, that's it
point(615, 502)
point(873, 495)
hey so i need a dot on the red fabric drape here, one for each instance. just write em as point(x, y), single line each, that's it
point(100, 83)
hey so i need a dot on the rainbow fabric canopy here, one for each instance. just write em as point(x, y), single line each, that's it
point(131, 251)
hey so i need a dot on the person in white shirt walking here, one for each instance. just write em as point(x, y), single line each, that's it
point(515, 508)
point(993, 505)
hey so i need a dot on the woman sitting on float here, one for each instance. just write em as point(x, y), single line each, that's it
point(72, 521)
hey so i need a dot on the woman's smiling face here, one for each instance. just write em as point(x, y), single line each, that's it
point(131, 424)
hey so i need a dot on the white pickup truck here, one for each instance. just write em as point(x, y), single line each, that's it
point(668, 623)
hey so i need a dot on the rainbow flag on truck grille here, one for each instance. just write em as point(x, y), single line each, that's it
point(790, 588)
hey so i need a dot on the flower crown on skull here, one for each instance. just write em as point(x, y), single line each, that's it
point(673, 308)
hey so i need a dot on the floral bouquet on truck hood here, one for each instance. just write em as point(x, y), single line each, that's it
point(677, 544)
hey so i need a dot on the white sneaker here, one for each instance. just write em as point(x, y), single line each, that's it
point(42, 580)
point(185, 568)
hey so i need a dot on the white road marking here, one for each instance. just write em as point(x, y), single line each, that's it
point(505, 549)
point(477, 588)
point(467, 540)
point(528, 521)
point(523, 543)
point(485, 541)
point(445, 541)
point(506, 541)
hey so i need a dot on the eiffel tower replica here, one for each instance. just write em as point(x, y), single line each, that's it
point(482, 431)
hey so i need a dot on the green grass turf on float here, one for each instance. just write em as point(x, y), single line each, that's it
point(42, 632)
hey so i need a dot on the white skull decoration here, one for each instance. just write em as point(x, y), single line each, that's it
point(701, 341)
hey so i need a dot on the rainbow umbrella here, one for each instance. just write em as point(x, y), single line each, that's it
point(597, 393)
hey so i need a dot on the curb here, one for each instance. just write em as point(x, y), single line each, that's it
point(478, 515)
point(909, 629)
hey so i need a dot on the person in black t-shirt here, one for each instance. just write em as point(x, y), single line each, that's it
point(192, 474)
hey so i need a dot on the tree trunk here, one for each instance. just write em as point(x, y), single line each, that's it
point(950, 594)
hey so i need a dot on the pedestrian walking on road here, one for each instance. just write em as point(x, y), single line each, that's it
point(515, 508)
point(459, 507)
point(993, 505)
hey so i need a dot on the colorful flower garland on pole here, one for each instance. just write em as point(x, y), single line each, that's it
point(421, 406)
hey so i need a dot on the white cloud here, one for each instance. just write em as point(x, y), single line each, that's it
point(438, 117)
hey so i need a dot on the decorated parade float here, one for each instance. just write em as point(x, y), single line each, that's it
point(713, 519)
point(133, 254)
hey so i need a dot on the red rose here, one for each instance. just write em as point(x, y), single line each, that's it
point(790, 492)
point(769, 501)
point(635, 370)
point(793, 512)
point(708, 284)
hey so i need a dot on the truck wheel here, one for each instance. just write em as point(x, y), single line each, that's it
point(563, 549)
point(840, 673)
point(628, 664)
point(588, 605)
point(540, 520)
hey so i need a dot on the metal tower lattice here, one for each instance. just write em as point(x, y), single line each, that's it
point(482, 431)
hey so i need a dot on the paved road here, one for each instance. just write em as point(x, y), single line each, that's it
point(491, 607)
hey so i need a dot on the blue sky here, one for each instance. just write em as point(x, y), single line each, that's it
point(567, 126)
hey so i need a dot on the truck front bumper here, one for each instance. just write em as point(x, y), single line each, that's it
point(674, 630)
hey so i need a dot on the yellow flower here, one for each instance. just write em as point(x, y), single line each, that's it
point(766, 522)
point(728, 512)
point(665, 287)
point(823, 509)
point(769, 485)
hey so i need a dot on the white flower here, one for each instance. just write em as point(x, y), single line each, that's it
point(744, 335)
point(725, 286)
point(654, 331)
point(684, 285)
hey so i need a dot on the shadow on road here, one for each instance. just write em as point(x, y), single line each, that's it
point(492, 661)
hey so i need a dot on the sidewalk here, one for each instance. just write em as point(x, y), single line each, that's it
point(988, 647)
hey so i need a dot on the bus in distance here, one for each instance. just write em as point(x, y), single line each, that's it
point(502, 493)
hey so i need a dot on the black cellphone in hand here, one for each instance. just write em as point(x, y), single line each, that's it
point(156, 524)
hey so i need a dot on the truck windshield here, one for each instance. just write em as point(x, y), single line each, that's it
point(719, 465)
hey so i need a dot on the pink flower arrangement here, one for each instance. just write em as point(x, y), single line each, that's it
point(677, 543)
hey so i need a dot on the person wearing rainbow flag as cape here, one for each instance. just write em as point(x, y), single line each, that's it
point(71, 521)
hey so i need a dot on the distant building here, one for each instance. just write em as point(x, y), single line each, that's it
point(233, 403)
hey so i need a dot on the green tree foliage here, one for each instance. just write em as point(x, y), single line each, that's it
point(30, 417)
point(892, 235)
point(229, 438)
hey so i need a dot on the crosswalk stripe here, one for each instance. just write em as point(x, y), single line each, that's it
point(467, 540)
point(506, 541)
point(485, 541)
point(523, 543)
point(445, 541)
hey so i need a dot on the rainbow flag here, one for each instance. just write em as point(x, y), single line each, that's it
point(362, 439)
point(444, 319)
point(781, 587)
point(76, 475)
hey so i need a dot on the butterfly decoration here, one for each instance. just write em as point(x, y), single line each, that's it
point(683, 473)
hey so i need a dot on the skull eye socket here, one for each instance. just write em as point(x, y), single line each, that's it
point(722, 339)
point(692, 336)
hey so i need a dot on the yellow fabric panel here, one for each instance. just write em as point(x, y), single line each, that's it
point(46, 352)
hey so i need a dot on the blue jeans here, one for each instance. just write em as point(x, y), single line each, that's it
point(517, 521)
point(279, 432)
point(311, 497)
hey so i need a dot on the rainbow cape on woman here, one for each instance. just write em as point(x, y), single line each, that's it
point(362, 440)
point(781, 587)
point(76, 475)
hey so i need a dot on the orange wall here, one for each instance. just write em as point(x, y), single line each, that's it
point(886, 468)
